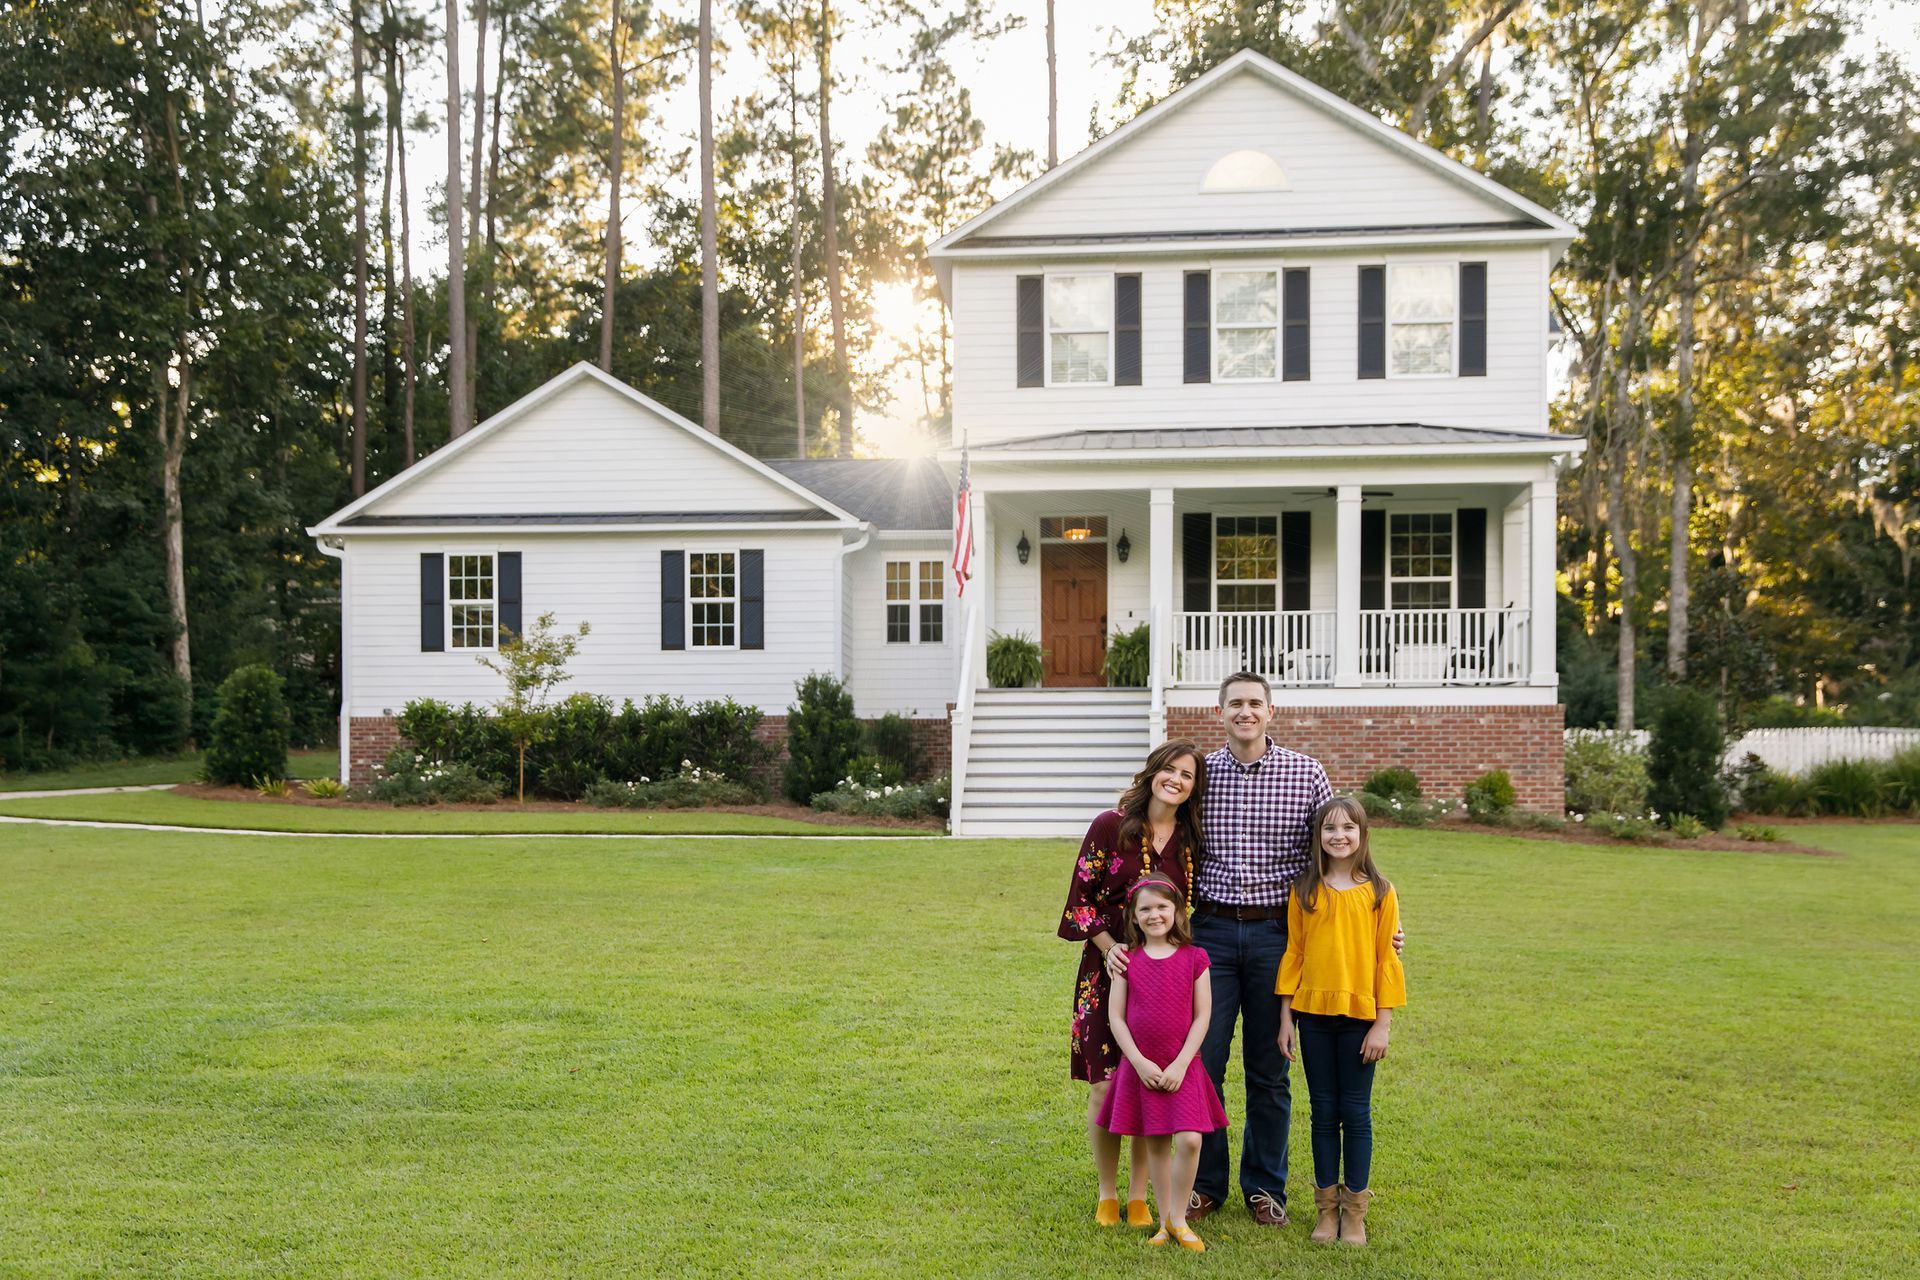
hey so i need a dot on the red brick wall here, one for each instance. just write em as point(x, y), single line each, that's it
point(369, 739)
point(1446, 747)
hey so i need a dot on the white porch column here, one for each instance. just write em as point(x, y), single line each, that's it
point(1346, 599)
point(980, 589)
point(1160, 607)
point(1543, 553)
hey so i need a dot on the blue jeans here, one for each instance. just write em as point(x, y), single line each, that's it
point(1340, 1091)
point(1246, 962)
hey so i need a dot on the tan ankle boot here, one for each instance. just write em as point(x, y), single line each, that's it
point(1326, 1226)
point(1353, 1215)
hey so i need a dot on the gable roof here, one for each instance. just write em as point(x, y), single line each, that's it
point(1523, 219)
point(888, 493)
point(357, 514)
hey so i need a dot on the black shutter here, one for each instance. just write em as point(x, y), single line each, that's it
point(753, 613)
point(1296, 559)
point(1296, 341)
point(1030, 319)
point(673, 599)
point(433, 602)
point(1470, 552)
point(1126, 331)
point(1373, 323)
point(1473, 320)
point(509, 581)
point(1198, 361)
point(1373, 559)
point(1196, 569)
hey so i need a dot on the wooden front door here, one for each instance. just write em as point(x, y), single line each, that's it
point(1073, 612)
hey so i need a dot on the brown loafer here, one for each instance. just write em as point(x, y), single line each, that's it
point(1199, 1206)
point(1267, 1211)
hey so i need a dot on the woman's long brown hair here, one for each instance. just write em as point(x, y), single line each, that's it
point(1186, 819)
point(1308, 885)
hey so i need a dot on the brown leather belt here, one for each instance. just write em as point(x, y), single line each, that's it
point(1228, 911)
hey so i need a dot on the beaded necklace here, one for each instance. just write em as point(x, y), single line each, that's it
point(1146, 855)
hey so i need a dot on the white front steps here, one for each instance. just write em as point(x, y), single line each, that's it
point(1043, 762)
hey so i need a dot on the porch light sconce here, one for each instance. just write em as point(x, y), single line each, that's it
point(1023, 548)
point(1123, 548)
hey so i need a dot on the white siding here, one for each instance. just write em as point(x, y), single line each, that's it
point(612, 581)
point(988, 406)
point(914, 679)
point(587, 448)
point(1337, 175)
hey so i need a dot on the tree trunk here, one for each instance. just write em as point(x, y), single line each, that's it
point(709, 238)
point(1621, 423)
point(493, 158)
point(799, 292)
point(359, 253)
point(389, 373)
point(409, 373)
point(173, 452)
point(473, 195)
point(830, 216)
point(460, 416)
point(1679, 540)
point(1053, 95)
point(613, 201)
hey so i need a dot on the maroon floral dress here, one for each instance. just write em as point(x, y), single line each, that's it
point(1097, 902)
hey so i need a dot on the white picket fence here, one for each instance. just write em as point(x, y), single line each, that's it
point(1791, 751)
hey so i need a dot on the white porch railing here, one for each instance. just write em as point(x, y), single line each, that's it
point(1294, 649)
point(1444, 646)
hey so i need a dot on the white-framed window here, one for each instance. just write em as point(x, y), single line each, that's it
point(472, 600)
point(1421, 300)
point(713, 600)
point(1246, 325)
point(1246, 564)
point(1079, 330)
point(916, 595)
point(1420, 559)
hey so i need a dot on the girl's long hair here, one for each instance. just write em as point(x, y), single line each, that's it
point(1181, 933)
point(1307, 887)
point(1186, 819)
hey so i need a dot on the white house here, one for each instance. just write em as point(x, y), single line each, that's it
point(1255, 370)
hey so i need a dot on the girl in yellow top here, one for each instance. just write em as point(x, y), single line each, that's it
point(1339, 984)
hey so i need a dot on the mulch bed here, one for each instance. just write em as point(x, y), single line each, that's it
point(781, 809)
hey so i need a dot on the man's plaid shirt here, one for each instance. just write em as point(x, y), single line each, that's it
point(1255, 822)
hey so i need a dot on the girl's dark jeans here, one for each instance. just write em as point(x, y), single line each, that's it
point(1340, 1092)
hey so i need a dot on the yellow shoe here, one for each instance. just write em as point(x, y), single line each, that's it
point(1138, 1215)
point(1188, 1240)
point(1160, 1236)
point(1107, 1214)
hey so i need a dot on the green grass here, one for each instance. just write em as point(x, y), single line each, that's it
point(166, 808)
point(249, 1057)
point(153, 770)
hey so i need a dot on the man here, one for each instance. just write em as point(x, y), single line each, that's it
point(1260, 799)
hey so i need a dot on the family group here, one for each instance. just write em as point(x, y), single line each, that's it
point(1231, 887)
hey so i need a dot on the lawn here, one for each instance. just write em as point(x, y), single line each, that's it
point(248, 1056)
point(164, 808)
point(154, 770)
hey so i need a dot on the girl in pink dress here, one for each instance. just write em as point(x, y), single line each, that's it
point(1159, 1012)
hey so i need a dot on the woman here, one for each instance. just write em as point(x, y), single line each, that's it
point(1156, 827)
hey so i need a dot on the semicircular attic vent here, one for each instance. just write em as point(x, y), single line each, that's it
point(1245, 170)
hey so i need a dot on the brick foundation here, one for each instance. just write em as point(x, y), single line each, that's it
point(372, 737)
point(1446, 747)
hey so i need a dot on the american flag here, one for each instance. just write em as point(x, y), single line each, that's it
point(962, 531)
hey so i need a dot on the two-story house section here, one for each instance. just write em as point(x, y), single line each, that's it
point(1270, 377)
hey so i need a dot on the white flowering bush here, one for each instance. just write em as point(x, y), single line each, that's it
point(408, 777)
point(870, 795)
point(693, 787)
point(1406, 811)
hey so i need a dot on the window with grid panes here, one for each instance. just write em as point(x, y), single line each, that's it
point(1079, 328)
point(470, 602)
point(1420, 302)
point(1420, 559)
point(1246, 563)
point(1246, 319)
point(713, 599)
point(899, 602)
point(933, 608)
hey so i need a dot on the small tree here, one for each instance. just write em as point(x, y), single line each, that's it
point(533, 664)
point(822, 737)
point(249, 738)
point(1683, 758)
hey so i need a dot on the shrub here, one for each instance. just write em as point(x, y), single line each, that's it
point(468, 735)
point(649, 740)
point(883, 771)
point(1901, 778)
point(1129, 658)
point(1605, 775)
point(249, 735)
point(1624, 826)
point(1683, 758)
point(273, 787)
point(1687, 827)
point(869, 797)
point(822, 737)
point(411, 778)
point(572, 754)
point(1777, 794)
point(1522, 820)
point(1847, 788)
point(1784, 713)
point(533, 664)
point(720, 736)
point(324, 788)
point(1750, 831)
point(1015, 661)
point(693, 788)
point(1394, 784)
point(891, 739)
point(1408, 813)
point(1490, 793)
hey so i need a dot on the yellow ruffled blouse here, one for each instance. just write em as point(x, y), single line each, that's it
point(1340, 957)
